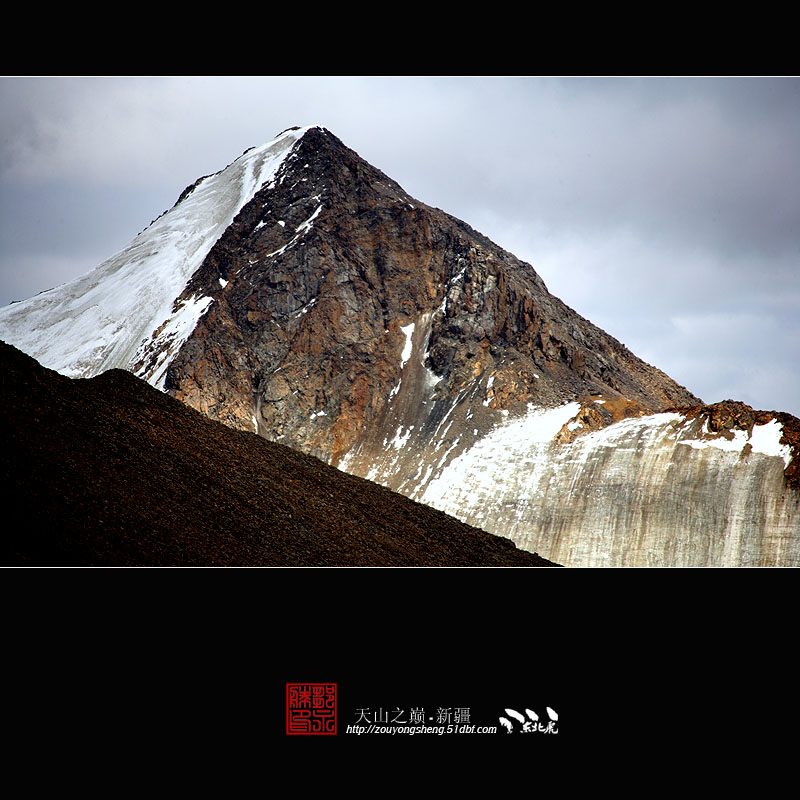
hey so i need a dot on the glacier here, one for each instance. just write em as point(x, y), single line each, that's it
point(641, 492)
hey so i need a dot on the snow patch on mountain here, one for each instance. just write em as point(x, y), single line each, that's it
point(408, 332)
point(172, 335)
point(300, 231)
point(520, 442)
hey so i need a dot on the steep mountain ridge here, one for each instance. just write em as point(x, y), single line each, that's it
point(339, 315)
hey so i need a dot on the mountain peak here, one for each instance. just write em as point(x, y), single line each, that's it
point(333, 265)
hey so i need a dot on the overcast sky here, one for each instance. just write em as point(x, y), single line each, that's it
point(666, 211)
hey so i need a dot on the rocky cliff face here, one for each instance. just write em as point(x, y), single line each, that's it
point(339, 315)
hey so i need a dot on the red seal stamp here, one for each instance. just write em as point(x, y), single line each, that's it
point(311, 709)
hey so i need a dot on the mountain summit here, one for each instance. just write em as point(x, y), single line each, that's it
point(302, 294)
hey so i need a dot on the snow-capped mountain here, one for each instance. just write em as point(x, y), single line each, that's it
point(303, 294)
point(128, 305)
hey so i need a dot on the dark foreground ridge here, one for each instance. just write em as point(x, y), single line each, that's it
point(111, 472)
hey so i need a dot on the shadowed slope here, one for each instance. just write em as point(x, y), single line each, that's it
point(110, 472)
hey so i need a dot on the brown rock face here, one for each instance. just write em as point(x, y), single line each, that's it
point(731, 415)
point(318, 281)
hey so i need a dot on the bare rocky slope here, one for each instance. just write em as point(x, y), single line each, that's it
point(108, 471)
